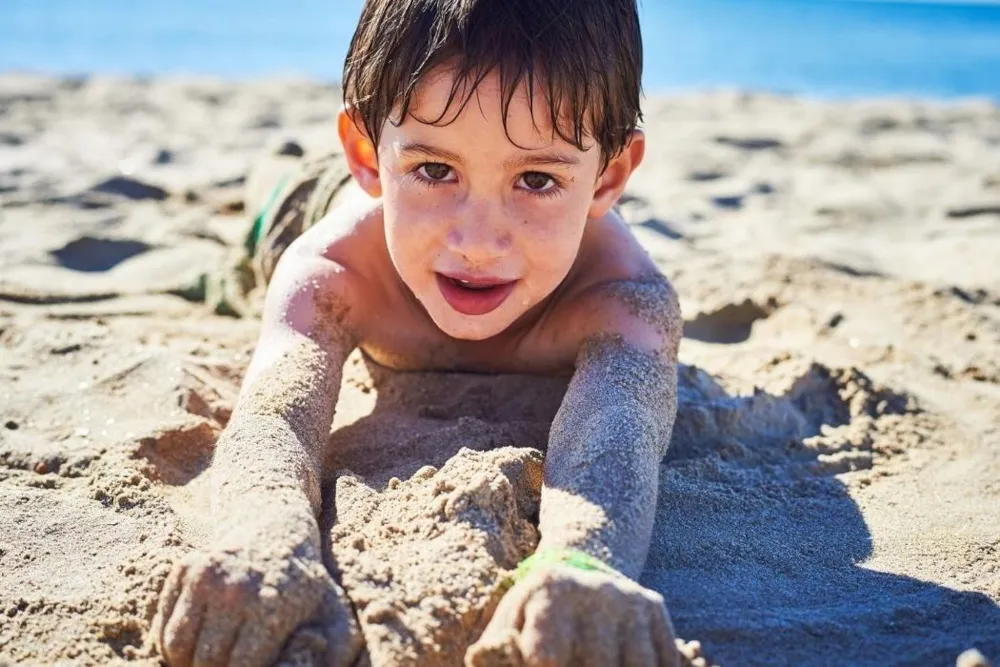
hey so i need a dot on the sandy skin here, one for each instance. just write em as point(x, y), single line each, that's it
point(257, 583)
point(562, 616)
point(607, 481)
point(263, 576)
point(814, 260)
point(568, 300)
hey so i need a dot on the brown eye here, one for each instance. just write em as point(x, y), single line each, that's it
point(534, 180)
point(436, 171)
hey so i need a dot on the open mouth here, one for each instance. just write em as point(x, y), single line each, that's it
point(474, 296)
point(468, 284)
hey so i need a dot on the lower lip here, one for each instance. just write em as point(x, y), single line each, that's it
point(473, 301)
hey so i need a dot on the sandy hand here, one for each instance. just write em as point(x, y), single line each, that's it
point(237, 602)
point(562, 616)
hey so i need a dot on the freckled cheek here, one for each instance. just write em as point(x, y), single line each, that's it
point(414, 232)
point(550, 224)
point(417, 214)
point(543, 245)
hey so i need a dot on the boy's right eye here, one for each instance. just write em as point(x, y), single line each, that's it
point(434, 171)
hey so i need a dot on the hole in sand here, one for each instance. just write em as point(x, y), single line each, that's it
point(750, 143)
point(853, 271)
point(706, 176)
point(662, 228)
point(93, 255)
point(130, 188)
point(730, 324)
point(178, 454)
point(731, 203)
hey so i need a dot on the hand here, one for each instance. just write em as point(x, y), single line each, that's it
point(562, 616)
point(237, 602)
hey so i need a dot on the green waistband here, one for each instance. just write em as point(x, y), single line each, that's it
point(258, 230)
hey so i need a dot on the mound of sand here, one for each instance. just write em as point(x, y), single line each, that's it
point(830, 495)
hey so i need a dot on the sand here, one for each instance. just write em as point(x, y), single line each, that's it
point(830, 496)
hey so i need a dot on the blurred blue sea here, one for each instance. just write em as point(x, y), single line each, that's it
point(818, 47)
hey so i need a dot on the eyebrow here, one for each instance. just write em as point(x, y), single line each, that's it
point(535, 159)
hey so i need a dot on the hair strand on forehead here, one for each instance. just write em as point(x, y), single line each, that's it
point(584, 56)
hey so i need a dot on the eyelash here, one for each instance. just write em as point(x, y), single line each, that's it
point(554, 191)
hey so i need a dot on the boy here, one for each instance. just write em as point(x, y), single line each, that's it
point(487, 142)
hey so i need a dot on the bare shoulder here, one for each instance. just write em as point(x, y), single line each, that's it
point(620, 292)
point(318, 286)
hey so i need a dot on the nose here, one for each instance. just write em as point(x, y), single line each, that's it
point(479, 234)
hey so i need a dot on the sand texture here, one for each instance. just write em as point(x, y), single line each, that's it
point(831, 495)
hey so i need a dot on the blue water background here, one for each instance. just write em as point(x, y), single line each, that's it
point(818, 47)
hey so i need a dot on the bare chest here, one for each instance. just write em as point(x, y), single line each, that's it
point(413, 344)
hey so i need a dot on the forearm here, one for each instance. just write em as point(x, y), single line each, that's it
point(605, 447)
point(269, 457)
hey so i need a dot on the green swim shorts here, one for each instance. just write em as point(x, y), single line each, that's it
point(286, 194)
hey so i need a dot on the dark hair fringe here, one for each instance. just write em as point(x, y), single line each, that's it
point(585, 54)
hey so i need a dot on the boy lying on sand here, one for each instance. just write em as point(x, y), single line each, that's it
point(486, 143)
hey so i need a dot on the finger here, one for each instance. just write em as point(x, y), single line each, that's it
point(218, 634)
point(344, 639)
point(307, 646)
point(509, 613)
point(638, 649)
point(662, 635)
point(169, 594)
point(180, 635)
point(599, 635)
point(501, 651)
point(498, 644)
point(255, 646)
point(548, 632)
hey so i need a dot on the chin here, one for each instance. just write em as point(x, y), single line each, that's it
point(468, 329)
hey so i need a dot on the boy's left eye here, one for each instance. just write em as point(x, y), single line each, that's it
point(435, 172)
point(537, 181)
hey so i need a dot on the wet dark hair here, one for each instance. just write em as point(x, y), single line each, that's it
point(584, 55)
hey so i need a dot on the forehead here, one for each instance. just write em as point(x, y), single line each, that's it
point(441, 102)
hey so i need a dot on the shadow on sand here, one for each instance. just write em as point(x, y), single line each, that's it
point(758, 548)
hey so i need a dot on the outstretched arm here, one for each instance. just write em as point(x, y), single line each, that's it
point(614, 426)
point(605, 447)
point(236, 601)
point(271, 453)
point(599, 496)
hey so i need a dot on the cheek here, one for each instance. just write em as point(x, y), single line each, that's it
point(411, 212)
point(411, 229)
point(553, 236)
point(552, 259)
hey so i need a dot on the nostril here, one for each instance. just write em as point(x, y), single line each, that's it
point(485, 239)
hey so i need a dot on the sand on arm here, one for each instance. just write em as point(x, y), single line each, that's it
point(601, 470)
point(611, 433)
point(276, 440)
point(237, 600)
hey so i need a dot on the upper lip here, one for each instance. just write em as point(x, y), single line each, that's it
point(475, 280)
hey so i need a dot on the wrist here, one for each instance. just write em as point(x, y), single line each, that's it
point(274, 512)
point(544, 559)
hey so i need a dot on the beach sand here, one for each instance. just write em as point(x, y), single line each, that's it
point(832, 491)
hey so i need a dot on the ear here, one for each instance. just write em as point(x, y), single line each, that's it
point(612, 182)
point(360, 153)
